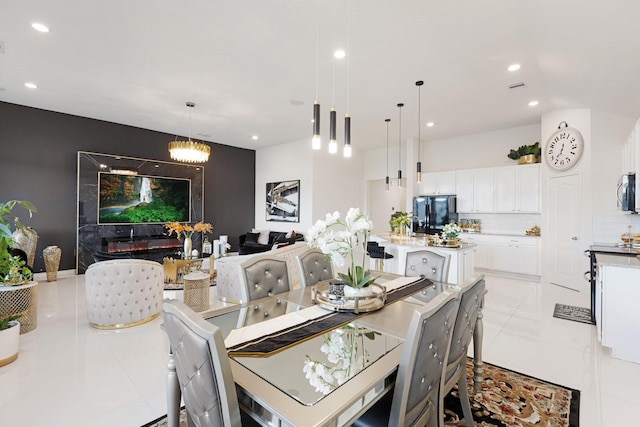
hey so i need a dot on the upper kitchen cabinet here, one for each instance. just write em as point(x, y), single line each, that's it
point(438, 183)
point(474, 190)
point(516, 189)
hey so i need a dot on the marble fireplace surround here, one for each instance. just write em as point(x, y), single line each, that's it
point(92, 236)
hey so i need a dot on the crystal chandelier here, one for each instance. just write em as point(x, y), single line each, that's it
point(189, 151)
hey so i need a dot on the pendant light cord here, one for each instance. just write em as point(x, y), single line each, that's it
point(387, 120)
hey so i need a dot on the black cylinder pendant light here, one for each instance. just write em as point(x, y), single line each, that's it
point(387, 181)
point(400, 144)
point(316, 142)
point(346, 152)
point(419, 83)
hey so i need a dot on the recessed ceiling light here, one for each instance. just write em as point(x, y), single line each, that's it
point(533, 103)
point(430, 124)
point(254, 137)
point(40, 27)
point(339, 54)
point(514, 67)
point(31, 85)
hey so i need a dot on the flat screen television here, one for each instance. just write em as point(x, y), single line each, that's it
point(138, 199)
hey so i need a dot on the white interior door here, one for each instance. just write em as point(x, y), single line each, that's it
point(565, 257)
point(383, 203)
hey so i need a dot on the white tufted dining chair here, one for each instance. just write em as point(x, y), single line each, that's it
point(263, 276)
point(427, 264)
point(203, 370)
point(471, 300)
point(313, 267)
point(123, 293)
point(414, 400)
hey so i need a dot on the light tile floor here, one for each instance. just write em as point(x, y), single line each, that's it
point(68, 374)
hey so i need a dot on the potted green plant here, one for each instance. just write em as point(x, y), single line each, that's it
point(526, 153)
point(9, 339)
point(13, 270)
point(399, 222)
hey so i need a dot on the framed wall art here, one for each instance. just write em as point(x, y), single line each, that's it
point(283, 201)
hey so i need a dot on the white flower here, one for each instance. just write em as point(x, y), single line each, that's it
point(339, 245)
point(345, 358)
point(451, 231)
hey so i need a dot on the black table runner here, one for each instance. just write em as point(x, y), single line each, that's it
point(282, 339)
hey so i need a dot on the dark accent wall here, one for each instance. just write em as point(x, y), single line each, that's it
point(38, 157)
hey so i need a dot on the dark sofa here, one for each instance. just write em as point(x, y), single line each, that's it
point(248, 242)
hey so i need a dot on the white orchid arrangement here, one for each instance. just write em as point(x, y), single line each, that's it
point(339, 245)
point(346, 354)
point(451, 231)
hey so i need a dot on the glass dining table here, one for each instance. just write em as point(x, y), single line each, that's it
point(295, 363)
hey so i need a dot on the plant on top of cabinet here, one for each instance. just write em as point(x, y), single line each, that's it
point(526, 153)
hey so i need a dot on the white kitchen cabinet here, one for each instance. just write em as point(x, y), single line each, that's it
point(528, 188)
point(474, 190)
point(515, 254)
point(617, 314)
point(481, 250)
point(517, 189)
point(438, 183)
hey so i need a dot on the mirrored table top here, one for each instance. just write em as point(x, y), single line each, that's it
point(309, 370)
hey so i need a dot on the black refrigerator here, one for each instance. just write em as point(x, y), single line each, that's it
point(432, 213)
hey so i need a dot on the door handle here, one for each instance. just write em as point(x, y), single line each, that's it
point(574, 238)
point(587, 276)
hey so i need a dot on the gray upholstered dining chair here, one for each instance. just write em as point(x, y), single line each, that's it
point(263, 276)
point(202, 367)
point(313, 267)
point(414, 401)
point(471, 297)
point(427, 264)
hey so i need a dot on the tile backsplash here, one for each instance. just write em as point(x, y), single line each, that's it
point(505, 223)
point(608, 228)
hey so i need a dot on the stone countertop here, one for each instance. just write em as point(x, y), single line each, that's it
point(496, 234)
point(618, 261)
point(386, 239)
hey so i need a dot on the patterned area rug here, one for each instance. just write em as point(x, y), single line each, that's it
point(510, 399)
point(571, 312)
point(507, 399)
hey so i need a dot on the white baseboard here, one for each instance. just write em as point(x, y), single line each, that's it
point(42, 277)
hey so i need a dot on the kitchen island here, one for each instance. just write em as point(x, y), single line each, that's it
point(461, 262)
point(617, 315)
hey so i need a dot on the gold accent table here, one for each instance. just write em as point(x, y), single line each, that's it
point(196, 290)
point(22, 300)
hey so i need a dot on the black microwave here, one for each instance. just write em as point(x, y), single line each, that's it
point(627, 192)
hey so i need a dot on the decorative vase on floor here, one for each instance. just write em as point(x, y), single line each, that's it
point(26, 240)
point(187, 247)
point(9, 342)
point(51, 256)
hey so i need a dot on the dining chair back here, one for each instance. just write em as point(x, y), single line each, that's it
point(471, 297)
point(202, 366)
point(421, 371)
point(313, 267)
point(263, 276)
point(427, 264)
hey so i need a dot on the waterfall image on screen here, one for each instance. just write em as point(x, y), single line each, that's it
point(126, 199)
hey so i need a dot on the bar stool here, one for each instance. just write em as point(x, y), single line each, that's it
point(377, 252)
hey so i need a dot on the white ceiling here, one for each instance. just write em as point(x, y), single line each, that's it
point(250, 65)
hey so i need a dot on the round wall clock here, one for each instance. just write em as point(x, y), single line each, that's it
point(564, 148)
